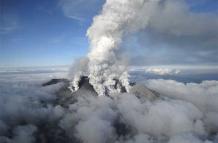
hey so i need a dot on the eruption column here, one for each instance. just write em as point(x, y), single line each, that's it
point(118, 19)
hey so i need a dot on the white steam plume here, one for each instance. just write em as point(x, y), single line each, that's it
point(117, 19)
point(121, 18)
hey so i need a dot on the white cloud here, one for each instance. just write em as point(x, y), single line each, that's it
point(203, 95)
point(79, 9)
point(186, 139)
point(162, 71)
point(182, 113)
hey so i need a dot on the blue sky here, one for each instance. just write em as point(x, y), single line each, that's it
point(53, 32)
point(40, 33)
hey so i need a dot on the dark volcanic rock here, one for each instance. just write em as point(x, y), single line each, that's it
point(55, 81)
point(66, 96)
point(144, 93)
point(85, 85)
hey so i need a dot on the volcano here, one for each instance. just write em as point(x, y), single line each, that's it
point(66, 96)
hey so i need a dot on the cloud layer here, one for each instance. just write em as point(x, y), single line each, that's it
point(180, 113)
point(203, 95)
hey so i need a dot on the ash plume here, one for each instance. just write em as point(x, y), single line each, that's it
point(168, 21)
point(117, 19)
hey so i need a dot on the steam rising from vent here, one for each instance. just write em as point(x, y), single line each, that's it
point(117, 19)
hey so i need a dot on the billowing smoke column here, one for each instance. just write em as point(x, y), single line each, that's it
point(117, 19)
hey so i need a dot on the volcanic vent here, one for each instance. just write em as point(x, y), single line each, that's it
point(84, 84)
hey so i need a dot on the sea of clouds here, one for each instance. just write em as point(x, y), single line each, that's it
point(182, 113)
